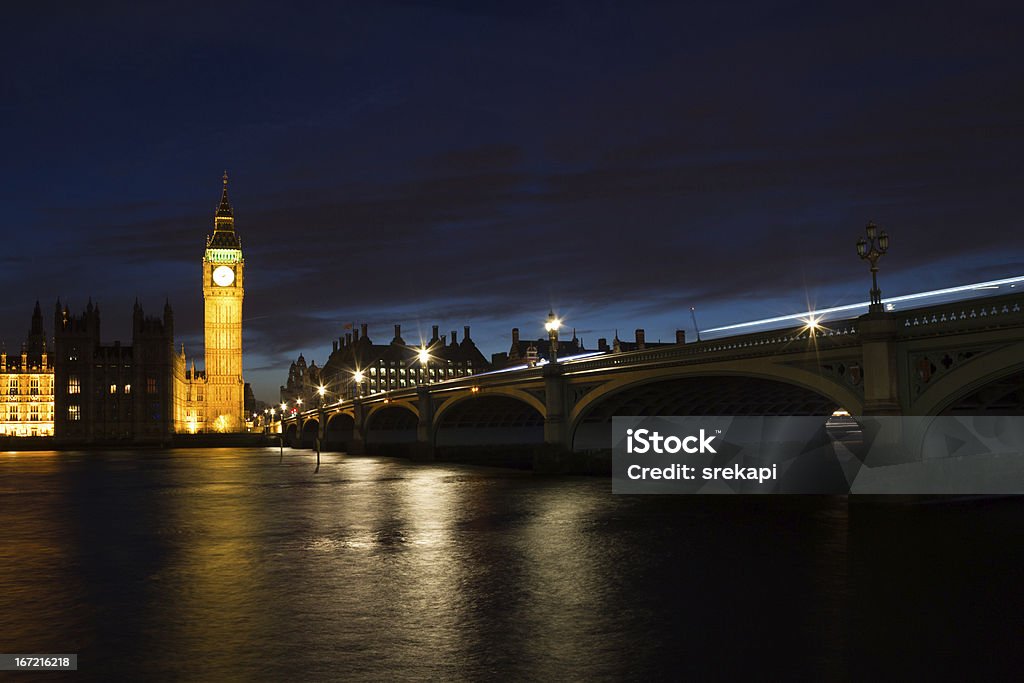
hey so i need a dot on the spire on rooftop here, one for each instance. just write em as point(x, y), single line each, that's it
point(224, 210)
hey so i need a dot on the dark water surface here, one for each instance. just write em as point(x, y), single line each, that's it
point(222, 564)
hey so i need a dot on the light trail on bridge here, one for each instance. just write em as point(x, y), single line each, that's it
point(821, 315)
point(540, 363)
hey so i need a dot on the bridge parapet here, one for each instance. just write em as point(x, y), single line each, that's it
point(842, 333)
point(1004, 311)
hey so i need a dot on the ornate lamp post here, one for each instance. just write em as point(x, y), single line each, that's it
point(357, 377)
point(870, 250)
point(552, 326)
point(424, 357)
point(280, 434)
point(321, 428)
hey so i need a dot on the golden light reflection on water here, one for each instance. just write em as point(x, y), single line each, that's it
point(234, 565)
point(36, 542)
point(213, 576)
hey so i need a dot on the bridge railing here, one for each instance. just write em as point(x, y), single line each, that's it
point(1001, 311)
point(839, 331)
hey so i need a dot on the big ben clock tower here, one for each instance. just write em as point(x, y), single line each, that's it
point(223, 280)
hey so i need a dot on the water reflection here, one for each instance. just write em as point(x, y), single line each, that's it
point(229, 565)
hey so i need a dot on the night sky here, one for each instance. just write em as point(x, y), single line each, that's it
point(459, 163)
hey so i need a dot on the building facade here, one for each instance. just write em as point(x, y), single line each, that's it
point(86, 391)
point(115, 392)
point(26, 385)
point(383, 367)
point(302, 383)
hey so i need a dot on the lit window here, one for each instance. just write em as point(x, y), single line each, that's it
point(74, 413)
point(74, 386)
point(127, 388)
point(151, 385)
point(113, 388)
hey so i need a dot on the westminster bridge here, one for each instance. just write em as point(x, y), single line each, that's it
point(957, 358)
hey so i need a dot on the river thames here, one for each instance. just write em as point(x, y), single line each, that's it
point(224, 564)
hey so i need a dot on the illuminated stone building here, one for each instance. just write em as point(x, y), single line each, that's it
point(384, 367)
point(213, 399)
point(26, 385)
point(302, 382)
point(114, 392)
point(92, 392)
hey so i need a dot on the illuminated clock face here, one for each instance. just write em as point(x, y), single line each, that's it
point(223, 276)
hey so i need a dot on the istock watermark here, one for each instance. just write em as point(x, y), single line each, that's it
point(978, 455)
point(644, 441)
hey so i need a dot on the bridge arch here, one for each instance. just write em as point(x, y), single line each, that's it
point(310, 433)
point(810, 381)
point(517, 394)
point(699, 393)
point(340, 431)
point(391, 405)
point(291, 435)
point(496, 417)
point(390, 424)
point(969, 381)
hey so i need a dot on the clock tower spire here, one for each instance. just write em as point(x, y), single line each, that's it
point(224, 235)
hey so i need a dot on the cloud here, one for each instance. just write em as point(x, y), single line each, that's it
point(448, 163)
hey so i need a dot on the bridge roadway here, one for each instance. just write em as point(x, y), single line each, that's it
point(958, 358)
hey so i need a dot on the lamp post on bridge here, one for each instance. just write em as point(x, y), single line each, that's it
point(321, 391)
point(424, 357)
point(357, 377)
point(552, 326)
point(870, 250)
point(280, 441)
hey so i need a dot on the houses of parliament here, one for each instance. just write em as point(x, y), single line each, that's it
point(80, 390)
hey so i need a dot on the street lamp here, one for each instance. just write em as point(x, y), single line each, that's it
point(280, 438)
point(552, 326)
point(424, 358)
point(871, 249)
point(321, 428)
point(357, 377)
